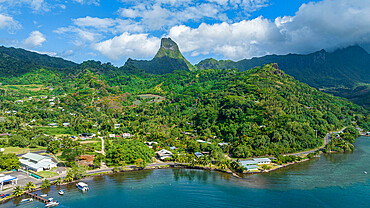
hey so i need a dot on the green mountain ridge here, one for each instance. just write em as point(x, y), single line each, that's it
point(17, 61)
point(167, 60)
point(344, 72)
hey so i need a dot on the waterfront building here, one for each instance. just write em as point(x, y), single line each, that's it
point(36, 162)
point(7, 179)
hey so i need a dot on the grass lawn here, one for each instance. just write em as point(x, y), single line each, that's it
point(47, 174)
point(19, 150)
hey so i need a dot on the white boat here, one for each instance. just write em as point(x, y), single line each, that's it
point(28, 199)
point(51, 204)
point(82, 186)
point(61, 192)
point(43, 195)
point(365, 172)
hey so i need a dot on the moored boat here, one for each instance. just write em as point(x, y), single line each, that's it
point(82, 186)
point(51, 203)
point(61, 192)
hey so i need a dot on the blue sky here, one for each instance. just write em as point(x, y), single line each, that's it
point(114, 30)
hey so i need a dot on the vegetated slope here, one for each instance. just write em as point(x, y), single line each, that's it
point(260, 111)
point(167, 59)
point(344, 72)
point(17, 61)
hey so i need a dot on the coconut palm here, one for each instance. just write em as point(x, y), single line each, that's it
point(29, 186)
point(45, 184)
point(58, 181)
point(18, 191)
point(69, 177)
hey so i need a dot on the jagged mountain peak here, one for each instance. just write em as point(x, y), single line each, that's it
point(167, 59)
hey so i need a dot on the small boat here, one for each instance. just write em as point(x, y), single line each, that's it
point(51, 203)
point(61, 192)
point(82, 186)
point(365, 172)
point(28, 199)
point(43, 195)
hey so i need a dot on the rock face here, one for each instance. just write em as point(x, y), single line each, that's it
point(167, 59)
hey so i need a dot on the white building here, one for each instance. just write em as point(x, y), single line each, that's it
point(36, 162)
point(7, 179)
point(163, 154)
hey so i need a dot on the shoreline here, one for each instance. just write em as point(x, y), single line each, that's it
point(172, 165)
point(175, 165)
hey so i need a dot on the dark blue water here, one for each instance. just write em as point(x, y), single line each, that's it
point(335, 180)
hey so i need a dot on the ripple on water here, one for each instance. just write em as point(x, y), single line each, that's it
point(335, 180)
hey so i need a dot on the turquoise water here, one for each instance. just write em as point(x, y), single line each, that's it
point(335, 180)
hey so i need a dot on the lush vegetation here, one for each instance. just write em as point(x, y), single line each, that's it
point(344, 72)
point(8, 161)
point(168, 59)
point(259, 112)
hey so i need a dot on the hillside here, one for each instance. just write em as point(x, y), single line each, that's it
point(16, 61)
point(167, 59)
point(344, 72)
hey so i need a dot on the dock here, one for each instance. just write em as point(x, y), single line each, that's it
point(36, 197)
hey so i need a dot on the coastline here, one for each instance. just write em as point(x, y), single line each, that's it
point(152, 166)
point(110, 171)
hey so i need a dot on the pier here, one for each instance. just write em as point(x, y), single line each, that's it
point(36, 197)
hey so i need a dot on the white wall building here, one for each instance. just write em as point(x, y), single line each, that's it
point(36, 162)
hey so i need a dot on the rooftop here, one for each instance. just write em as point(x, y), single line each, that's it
point(6, 178)
point(34, 157)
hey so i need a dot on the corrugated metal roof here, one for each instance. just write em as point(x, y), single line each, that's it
point(34, 157)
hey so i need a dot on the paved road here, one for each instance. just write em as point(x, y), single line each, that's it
point(327, 139)
point(130, 166)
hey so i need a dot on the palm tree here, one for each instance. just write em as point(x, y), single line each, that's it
point(45, 184)
point(58, 181)
point(29, 186)
point(18, 191)
point(69, 177)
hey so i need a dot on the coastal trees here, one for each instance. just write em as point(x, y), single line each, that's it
point(69, 177)
point(338, 145)
point(29, 186)
point(140, 163)
point(58, 181)
point(45, 184)
point(129, 151)
point(78, 171)
point(18, 191)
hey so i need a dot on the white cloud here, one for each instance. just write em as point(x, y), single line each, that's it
point(35, 5)
point(328, 24)
point(9, 23)
point(94, 2)
point(160, 16)
point(128, 45)
point(235, 41)
point(35, 39)
point(94, 22)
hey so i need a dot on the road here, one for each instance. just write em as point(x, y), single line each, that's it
point(327, 139)
point(102, 146)
point(130, 166)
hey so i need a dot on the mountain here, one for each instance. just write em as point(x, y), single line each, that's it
point(167, 59)
point(17, 61)
point(344, 72)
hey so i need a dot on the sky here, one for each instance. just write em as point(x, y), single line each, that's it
point(115, 30)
